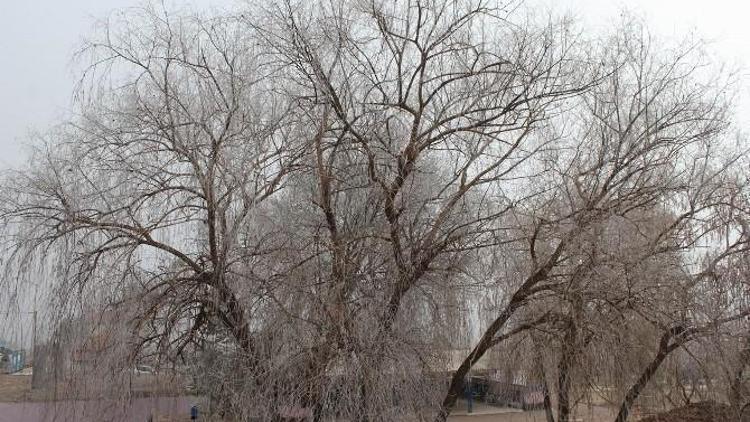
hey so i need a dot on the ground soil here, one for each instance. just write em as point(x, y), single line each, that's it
point(14, 388)
point(582, 414)
point(697, 412)
point(17, 388)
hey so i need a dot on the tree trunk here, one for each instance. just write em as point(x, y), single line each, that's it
point(548, 413)
point(665, 348)
point(735, 387)
point(568, 356)
point(363, 415)
point(487, 340)
point(563, 374)
point(455, 387)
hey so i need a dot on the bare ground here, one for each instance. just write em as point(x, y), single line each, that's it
point(582, 414)
point(697, 412)
point(15, 388)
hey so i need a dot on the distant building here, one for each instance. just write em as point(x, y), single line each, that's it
point(11, 359)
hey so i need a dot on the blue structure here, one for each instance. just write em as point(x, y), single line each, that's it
point(11, 360)
point(469, 394)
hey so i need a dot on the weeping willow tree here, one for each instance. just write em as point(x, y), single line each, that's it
point(336, 210)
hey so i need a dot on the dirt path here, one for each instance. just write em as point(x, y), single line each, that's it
point(585, 414)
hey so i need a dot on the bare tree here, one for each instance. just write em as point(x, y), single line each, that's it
point(149, 189)
point(300, 206)
point(632, 153)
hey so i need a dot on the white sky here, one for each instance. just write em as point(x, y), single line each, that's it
point(38, 37)
point(37, 42)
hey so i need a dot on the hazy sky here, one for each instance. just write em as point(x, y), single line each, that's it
point(37, 42)
point(38, 38)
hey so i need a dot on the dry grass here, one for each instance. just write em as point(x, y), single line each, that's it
point(697, 412)
point(15, 388)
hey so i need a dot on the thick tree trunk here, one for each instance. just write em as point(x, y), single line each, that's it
point(547, 402)
point(456, 384)
point(735, 387)
point(548, 414)
point(563, 373)
point(364, 414)
point(665, 348)
point(488, 338)
point(568, 359)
